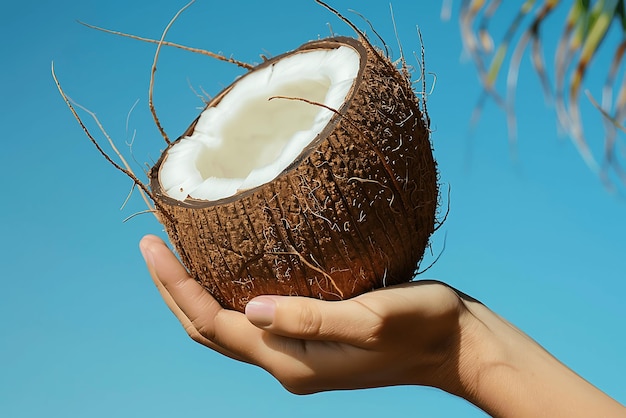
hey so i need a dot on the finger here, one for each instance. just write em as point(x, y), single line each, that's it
point(311, 319)
point(200, 314)
point(425, 299)
point(360, 321)
point(149, 245)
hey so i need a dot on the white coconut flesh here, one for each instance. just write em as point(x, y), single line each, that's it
point(247, 140)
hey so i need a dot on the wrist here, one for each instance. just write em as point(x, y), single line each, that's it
point(490, 360)
point(473, 356)
point(506, 373)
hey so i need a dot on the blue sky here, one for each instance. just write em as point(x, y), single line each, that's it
point(83, 332)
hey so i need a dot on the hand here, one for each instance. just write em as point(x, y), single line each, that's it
point(422, 333)
point(408, 334)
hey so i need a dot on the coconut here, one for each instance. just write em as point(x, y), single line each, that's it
point(311, 175)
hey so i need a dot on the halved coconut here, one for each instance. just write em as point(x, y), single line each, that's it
point(311, 175)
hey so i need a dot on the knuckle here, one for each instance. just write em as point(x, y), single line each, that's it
point(297, 383)
point(310, 320)
point(193, 333)
point(375, 334)
point(297, 390)
point(375, 327)
point(200, 332)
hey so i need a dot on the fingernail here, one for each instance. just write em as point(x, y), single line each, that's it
point(260, 311)
point(146, 253)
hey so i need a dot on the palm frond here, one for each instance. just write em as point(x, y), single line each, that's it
point(585, 29)
point(531, 34)
point(568, 44)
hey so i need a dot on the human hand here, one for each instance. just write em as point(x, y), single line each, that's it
point(407, 334)
point(423, 333)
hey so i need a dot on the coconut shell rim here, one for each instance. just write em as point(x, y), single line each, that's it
point(326, 43)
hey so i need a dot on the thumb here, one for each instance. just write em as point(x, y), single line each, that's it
point(312, 319)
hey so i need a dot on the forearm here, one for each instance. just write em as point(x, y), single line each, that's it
point(507, 374)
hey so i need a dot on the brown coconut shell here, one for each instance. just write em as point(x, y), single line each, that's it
point(354, 211)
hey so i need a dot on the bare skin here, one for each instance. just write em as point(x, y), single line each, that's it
point(421, 333)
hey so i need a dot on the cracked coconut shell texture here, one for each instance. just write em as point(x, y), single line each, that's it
point(354, 212)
